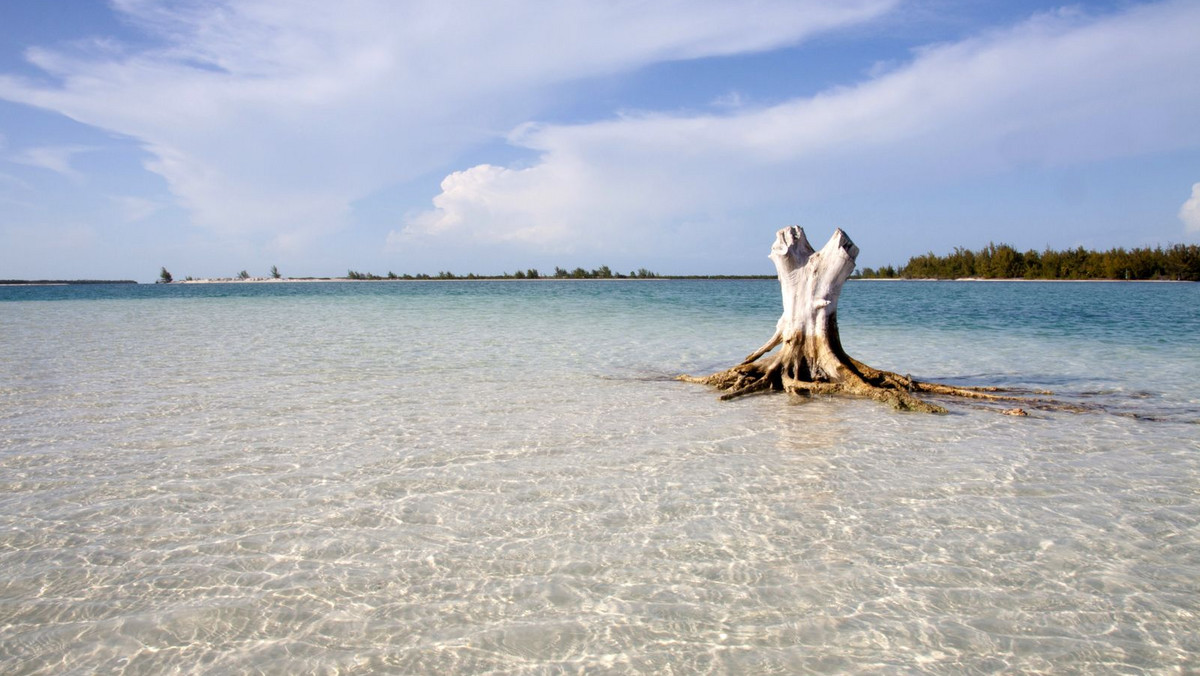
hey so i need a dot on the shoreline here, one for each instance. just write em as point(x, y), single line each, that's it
point(345, 280)
point(340, 280)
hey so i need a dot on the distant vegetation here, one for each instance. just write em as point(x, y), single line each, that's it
point(602, 272)
point(35, 282)
point(995, 261)
point(1001, 261)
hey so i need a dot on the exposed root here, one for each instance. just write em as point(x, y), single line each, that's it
point(751, 377)
point(856, 379)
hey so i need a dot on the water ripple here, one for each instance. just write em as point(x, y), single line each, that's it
point(362, 484)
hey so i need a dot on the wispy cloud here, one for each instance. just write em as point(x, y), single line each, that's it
point(10, 187)
point(1058, 90)
point(14, 182)
point(54, 158)
point(270, 117)
point(132, 209)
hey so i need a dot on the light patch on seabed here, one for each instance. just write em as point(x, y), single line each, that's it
point(456, 483)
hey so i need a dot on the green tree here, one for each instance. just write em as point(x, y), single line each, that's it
point(1000, 260)
point(243, 275)
point(1183, 262)
point(1033, 264)
point(165, 277)
point(275, 272)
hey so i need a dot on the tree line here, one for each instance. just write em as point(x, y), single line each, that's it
point(602, 272)
point(1001, 261)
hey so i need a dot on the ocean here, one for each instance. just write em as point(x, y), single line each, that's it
point(504, 477)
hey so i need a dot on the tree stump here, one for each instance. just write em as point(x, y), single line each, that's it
point(810, 360)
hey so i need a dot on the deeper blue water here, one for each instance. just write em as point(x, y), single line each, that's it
point(503, 477)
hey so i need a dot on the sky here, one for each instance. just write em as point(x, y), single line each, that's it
point(212, 136)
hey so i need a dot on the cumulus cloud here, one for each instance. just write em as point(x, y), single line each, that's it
point(271, 117)
point(1058, 90)
point(1189, 213)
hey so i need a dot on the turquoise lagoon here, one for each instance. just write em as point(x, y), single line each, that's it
point(503, 477)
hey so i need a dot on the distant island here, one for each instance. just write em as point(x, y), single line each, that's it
point(602, 272)
point(61, 282)
point(1179, 262)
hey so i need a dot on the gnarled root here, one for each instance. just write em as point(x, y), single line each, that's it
point(856, 379)
point(745, 378)
point(752, 377)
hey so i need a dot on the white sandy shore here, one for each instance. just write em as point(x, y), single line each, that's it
point(253, 280)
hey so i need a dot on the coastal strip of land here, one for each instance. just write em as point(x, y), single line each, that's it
point(62, 282)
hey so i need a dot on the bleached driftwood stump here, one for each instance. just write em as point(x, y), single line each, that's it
point(810, 360)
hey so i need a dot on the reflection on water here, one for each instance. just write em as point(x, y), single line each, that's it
point(367, 482)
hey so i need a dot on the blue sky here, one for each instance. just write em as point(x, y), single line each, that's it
point(211, 137)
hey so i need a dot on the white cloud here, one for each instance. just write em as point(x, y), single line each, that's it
point(732, 99)
point(1058, 90)
point(271, 117)
point(1189, 213)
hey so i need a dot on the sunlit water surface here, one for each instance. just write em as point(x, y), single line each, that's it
point(502, 477)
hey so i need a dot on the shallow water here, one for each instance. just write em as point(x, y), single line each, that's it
point(502, 477)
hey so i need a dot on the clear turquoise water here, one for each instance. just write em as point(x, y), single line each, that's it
point(502, 477)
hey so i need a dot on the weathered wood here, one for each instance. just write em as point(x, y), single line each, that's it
point(810, 360)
